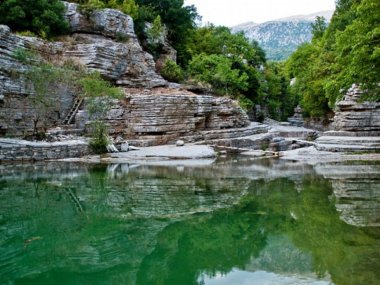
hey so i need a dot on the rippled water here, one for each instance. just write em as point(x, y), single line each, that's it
point(229, 222)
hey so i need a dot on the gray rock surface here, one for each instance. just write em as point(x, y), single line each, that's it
point(153, 117)
point(104, 42)
point(356, 126)
point(21, 150)
point(297, 118)
point(357, 118)
point(165, 151)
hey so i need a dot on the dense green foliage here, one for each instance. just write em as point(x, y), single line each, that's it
point(346, 52)
point(232, 65)
point(172, 72)
point(179, 20)
point(42, 17)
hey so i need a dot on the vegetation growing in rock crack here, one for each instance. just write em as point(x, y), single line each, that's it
point(100, 95)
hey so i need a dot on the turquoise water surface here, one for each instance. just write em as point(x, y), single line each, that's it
point(225, 222)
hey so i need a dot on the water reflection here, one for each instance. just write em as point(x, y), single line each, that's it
point(231, 222)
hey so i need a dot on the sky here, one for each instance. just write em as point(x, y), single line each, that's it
point(232, 12)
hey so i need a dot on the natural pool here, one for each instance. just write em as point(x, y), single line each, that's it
point(228, 222)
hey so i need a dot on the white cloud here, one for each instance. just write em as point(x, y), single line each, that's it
point(233, 12)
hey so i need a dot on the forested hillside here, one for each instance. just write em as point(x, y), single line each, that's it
point(345, 52)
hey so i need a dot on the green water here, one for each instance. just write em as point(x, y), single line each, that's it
point(229, 222)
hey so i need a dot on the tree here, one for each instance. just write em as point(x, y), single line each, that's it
point(41, 17)
point(358, 53)
point(217, 71)
point(179, 20)
point(319, 27)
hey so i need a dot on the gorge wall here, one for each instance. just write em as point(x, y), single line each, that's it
point(357, 118)
point(356, 125)
point(105, 42)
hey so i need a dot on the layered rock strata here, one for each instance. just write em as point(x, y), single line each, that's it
point(20, 150)
point(355, 118)
point(152, 117)
point(356, 125)
point(106, 42)
point(102, 41)
point(297, 118)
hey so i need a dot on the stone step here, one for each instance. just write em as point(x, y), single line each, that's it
point(65, 130)
point(253, 142)
point(346, 148)
point(344, 140)
point(347, 144)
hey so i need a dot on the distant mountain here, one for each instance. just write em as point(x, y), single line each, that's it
point(280, 38)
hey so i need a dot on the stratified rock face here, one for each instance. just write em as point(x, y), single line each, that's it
point(105, 41)
point(362, 119)
point(160, 116)
point(297, 118)
point(356, 125)
point(16, 111)
point(107, 22)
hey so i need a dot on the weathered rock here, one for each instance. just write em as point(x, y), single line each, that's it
point(297, 118)
point(107, 22)
point(152, 117)
point(124, 147)
point(103, 41)
point(20, 150)
point(357, 118)
point(356, 125)
point(16, 111)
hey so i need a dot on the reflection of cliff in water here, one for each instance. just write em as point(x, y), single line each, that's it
point(159, 225)
point(357, 191)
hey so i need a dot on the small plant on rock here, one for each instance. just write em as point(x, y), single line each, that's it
point(100, 95)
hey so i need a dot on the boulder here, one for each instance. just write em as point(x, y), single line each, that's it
point(124, 147)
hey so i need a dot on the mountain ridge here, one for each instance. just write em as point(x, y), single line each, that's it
point(281, 37)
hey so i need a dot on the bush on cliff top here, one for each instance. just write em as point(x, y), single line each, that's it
point(41, 17)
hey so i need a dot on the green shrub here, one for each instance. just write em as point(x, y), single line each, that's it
point(217, 70)
point(23, 55)
point(172, 72)
point(41, 17)
point(245, 103)
point(99, 94)
point(99, 139)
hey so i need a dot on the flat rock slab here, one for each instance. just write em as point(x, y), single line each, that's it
point(313, 156)
point(169, 152)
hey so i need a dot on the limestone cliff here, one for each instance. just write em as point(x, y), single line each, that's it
point(105, 41)
point(356, 125)
point(355, 117)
